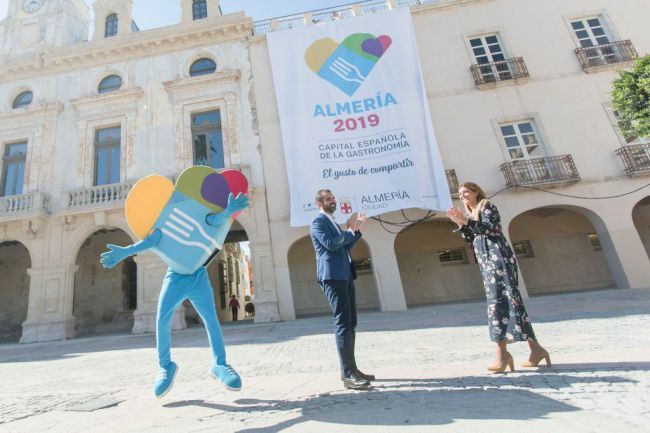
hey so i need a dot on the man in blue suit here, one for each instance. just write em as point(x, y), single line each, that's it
point(335, 275)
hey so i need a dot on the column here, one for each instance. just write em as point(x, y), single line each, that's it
point(49, 312)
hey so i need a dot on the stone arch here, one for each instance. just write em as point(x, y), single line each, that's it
point(15, 260)
point(103, 299)
point(641, 219)
point(436, 265)
point(307, 295)
point(229, 275)
point(561, 248)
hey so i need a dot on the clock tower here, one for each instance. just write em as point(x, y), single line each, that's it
point(33, 26)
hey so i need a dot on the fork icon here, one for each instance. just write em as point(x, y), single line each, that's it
point(346, 70)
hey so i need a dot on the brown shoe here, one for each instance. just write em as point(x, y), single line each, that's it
point(368, 377)
point(355, 382)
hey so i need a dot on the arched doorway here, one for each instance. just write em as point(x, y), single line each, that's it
point(641, 218)
point(230, 273)
point(104, 299)
point(436, 265)
point(14, 289)
point(558, 250)
point(308, 297)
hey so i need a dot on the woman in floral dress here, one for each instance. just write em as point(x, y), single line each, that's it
point(507, 317)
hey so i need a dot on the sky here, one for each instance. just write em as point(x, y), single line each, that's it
point(168, 12)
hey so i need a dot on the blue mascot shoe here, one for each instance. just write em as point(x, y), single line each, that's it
point(226, 375)
point(165, 380)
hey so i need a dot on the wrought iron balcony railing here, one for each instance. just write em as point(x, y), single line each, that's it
point(452, 180)
point(335, 13)
point(606, 54)
point(18, 206)
point(538, 171)
point(635, 157)
point(509, 69)
point(98, 196)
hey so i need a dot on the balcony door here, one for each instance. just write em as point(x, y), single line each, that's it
point(13, 169)
point(490, 57)
point(592, 35)
point(526, 150)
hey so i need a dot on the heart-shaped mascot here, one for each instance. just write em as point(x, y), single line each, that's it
point(185, 224)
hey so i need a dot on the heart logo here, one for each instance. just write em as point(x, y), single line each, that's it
point(346, 65)
point(179, 212)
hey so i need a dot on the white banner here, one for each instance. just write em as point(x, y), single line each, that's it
point(354, 117)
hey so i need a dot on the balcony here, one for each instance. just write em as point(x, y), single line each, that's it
point(29, 205)
point(595, 58)
point(452, 181)
point(636, 158)
point(102, 196)
point(488, 74)
point(540, 171)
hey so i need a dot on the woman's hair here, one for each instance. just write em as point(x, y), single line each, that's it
point(481, 199)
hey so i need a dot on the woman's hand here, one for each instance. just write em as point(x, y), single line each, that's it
point(457, 216)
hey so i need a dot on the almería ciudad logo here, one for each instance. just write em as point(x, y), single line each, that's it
point(348, 64)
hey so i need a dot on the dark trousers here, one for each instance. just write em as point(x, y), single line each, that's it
point(342, 299)
point(234, 311)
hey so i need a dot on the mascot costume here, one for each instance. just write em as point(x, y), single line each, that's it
point(186, 226)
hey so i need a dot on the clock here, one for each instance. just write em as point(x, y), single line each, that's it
point(30, 6)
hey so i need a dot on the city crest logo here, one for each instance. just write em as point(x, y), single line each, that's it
point(348, 64)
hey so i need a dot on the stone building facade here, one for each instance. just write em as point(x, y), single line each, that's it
point(82, 117)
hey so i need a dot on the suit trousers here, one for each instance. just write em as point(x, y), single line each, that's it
point(342, 299)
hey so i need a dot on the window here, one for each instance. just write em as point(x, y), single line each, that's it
point(522, 140)
point(202, 66)
point(590, 32)
point(523, 249)
point(13, 168)
point(487, 50)
point(207, 139)
point(595, 242)
point(107, 155)
point(110, 28)
point(23, 100)
point(109, 84)
point(230, 276)
point(454, 256)
point(199, 9)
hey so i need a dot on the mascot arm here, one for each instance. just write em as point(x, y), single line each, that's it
point(235, 204)
point(116, 254)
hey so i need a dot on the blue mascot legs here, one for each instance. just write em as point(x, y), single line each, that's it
point(197, 288)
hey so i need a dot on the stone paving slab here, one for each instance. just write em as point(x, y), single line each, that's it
point(430, 362)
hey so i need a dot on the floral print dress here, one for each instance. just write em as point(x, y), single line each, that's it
point(507, 317)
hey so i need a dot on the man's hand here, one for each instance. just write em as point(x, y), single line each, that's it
point(352, 222)
point(113, 256)
point(235, 204)
point(361, 220)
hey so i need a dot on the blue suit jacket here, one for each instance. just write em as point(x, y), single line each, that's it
point(332, 249)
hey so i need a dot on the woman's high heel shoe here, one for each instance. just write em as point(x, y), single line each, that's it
point(508, 362)
point(542, 355)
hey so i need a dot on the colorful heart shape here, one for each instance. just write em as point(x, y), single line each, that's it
point(180, 213)
point(346, 65)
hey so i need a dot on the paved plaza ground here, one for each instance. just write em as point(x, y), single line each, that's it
point(430, 363)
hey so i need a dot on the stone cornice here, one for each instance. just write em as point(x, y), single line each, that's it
point(125, 95)
point(31, 110)
point(208, 31)
point(190, 83)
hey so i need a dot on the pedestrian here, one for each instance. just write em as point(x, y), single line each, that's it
point(234, 307)
point(507, 318)
point(335, 275)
